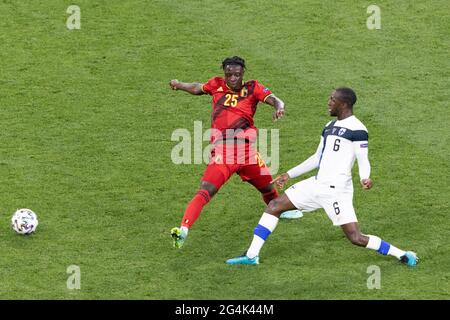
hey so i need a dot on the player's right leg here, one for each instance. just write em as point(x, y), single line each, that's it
point(206, 191)
point(213, 178)
point(265, 227)
point(300, 195)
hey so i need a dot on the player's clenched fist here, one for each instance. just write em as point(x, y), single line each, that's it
point(174, 84)
point(278, 114)
point(366, 183)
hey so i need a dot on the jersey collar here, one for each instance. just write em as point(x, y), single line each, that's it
point(243, 85)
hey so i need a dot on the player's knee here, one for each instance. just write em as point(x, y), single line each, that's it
point(274, 207)
point(269, 196)
point(212, 190)
point(267, 189)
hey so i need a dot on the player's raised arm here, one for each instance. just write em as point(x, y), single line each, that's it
point(193, 88)
point(278, 104)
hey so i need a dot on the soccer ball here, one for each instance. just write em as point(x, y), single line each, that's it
point(24, 221)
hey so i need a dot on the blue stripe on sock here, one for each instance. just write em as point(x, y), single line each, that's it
point(384, 248)
point(261, 232)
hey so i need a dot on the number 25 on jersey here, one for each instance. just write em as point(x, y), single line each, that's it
point(231, 100)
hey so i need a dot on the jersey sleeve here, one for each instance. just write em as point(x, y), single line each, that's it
point(210, 86)
point(361, 148)
point(261, 93)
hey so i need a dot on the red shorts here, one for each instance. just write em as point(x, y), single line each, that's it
point(252, 170)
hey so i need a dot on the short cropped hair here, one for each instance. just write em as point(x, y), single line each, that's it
point(347, 95)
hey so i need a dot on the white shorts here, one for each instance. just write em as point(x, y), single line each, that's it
point(309, 195)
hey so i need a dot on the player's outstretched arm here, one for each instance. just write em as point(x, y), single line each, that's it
point(193, 88)
point(278, 104)
point(309, 164)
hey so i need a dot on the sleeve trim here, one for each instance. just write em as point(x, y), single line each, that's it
point(265, 98)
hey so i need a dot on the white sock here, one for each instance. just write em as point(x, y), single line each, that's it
point(396, 252)
point(265, 227)
point(184, 231)
point(375, 243)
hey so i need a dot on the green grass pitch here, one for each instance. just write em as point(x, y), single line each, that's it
point(86, 121)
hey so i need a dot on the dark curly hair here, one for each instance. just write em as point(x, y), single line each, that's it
point(233, 61)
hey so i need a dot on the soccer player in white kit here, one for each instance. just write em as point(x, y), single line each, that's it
point(342, 141)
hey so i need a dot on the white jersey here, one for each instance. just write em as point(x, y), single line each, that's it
point(341, 143)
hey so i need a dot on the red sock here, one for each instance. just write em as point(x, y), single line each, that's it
point(195, 207)
point(270, 195)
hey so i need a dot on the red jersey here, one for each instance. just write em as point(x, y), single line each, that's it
point(234, 110)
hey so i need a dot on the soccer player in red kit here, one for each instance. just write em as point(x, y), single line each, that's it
point(234, 104)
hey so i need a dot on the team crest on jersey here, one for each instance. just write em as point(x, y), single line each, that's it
point(218, 159)
point(341, 131)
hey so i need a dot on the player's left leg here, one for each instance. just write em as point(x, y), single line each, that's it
point(353, 233)
point(300, 195)
point(258, 175)
point(269, 192)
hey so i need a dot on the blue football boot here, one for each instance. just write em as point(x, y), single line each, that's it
point(243, 260)
point(409, 258)
point(291, 214)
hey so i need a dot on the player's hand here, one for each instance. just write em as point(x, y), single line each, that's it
point(366, 184)
point(281, 180)
point(174, 84)
point(278, 114)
